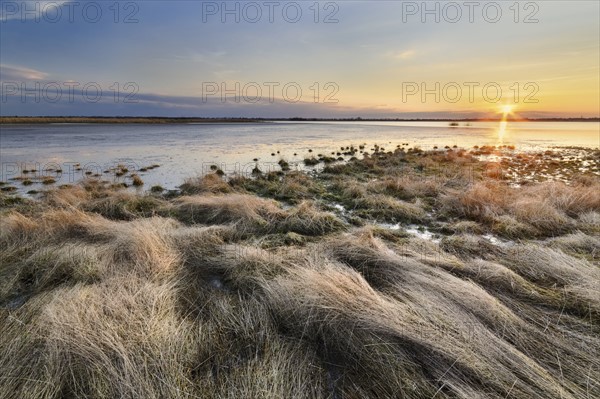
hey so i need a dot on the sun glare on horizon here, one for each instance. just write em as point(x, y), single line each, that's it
point(507, 109)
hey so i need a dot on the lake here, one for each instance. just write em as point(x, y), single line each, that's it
point(189, 150)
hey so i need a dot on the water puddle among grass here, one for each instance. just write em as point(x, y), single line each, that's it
point(422, 233)
point(498, 241)
point(217, 283)
point(414, 230)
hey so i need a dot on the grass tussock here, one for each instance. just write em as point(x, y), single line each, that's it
point(377, 206)
point(388, 209)
point(214, 209)
point(127, 206)
point(292, 187)
point(545, 209)
point(252, 214)
point(211, 183)
point(408, 188)
point(580, 244)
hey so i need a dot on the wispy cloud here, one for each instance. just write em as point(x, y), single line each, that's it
point(20, 73)
point(401, 55)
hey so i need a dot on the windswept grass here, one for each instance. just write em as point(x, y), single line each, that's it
point(250, 214)
point(545, 209)
point(237, 288)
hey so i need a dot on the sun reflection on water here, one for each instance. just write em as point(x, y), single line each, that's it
point(502, 129)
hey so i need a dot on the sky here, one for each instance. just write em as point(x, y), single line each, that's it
point(280, 59)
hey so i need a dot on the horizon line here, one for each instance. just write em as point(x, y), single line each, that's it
point(16, 118)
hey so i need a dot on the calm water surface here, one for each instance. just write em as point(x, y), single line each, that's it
point(189, 150)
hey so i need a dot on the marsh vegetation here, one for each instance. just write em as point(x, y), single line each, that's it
point(295, 285)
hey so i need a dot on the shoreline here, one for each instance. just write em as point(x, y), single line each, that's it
point(121, 120)
point(519, 166)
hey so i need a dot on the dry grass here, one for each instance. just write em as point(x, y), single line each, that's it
point(137, 181)
point(578, 244)
point(292, 187)
point(106, 293)
point(375, 206)
point(545, 209)
point(469, 246)
point(246, 210)
point(408, 188)
point(389, 209)
point(127, 206)
point(211, 183)
point(252, 214)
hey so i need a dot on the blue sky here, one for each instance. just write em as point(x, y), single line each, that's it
point(352, 59)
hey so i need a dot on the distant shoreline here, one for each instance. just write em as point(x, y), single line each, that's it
point(37, 120)
point(118, 120)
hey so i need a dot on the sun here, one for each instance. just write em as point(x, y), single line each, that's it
point(507, 109)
